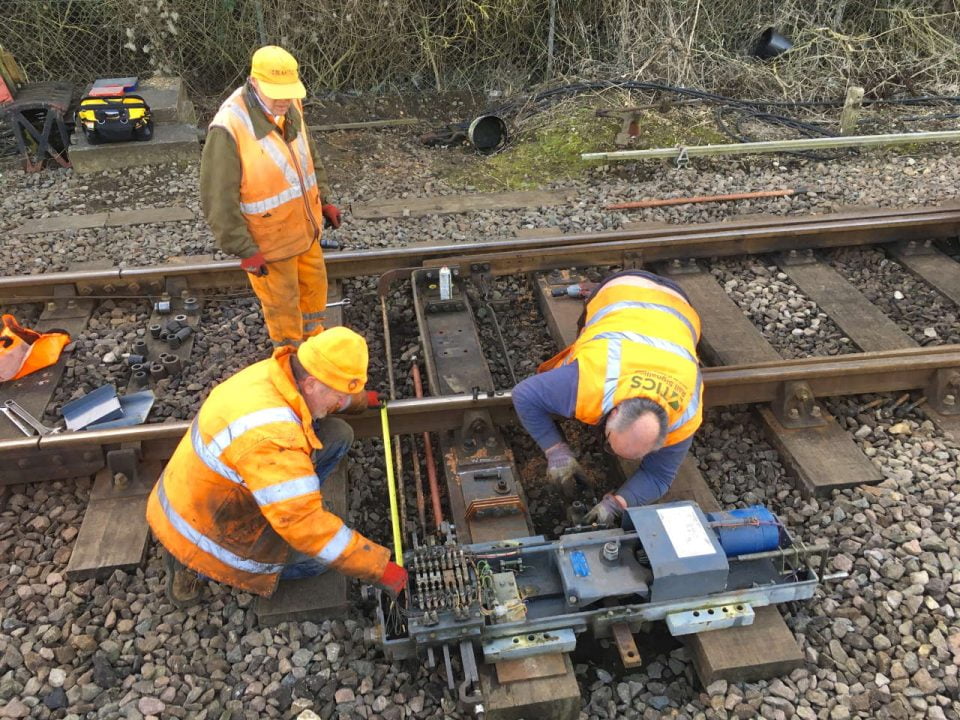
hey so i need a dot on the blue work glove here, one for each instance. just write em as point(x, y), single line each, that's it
point(605, 512)
point(563, 469)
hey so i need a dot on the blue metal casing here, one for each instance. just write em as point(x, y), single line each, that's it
point(746, 530)
point(686, 558)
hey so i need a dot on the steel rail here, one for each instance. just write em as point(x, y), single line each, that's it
point(659, 243)
point(888, 371)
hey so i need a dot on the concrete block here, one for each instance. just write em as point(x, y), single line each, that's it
point(170, 143)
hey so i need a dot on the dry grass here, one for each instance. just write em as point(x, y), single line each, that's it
point(887, 46)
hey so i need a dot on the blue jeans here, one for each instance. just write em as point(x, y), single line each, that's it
point(336, 436)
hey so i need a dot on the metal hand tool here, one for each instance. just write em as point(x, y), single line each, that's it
point(341, 303)
point(11, 416)
point(17, 409)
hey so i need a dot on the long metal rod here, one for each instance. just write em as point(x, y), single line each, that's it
point(769, 146)
point(700, 239)
point(428, 452)
point(418, 485)
point(855, 374)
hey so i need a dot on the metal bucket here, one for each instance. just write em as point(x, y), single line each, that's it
point(487, 133)
point(770, 44)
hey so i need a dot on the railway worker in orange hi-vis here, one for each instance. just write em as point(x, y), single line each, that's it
point(632, 372)
point(240, 501)
point(265, 195)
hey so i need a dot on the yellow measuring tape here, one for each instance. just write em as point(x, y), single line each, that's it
point(391, 487)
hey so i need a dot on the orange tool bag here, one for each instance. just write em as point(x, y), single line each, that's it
point(23, 351)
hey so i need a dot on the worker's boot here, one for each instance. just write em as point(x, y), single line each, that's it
point(183, 585)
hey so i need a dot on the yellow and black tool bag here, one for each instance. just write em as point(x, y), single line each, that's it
point(114, 118)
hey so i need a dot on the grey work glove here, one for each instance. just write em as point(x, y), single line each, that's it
point(563, 469)
point(605, 512)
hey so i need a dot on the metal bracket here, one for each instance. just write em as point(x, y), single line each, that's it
point(123, 466)
point(476, 431)
point(523, 646)
point(469, 689)
point(943, 391)
point(915, 247)
point(689, 622)
point(682, 158)
point(796, 406)
point(632, 260)
point(626, 645)
point(798, 257)
point(679, 267)
point(481, 270)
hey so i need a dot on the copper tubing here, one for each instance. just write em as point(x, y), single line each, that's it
point(660, 202)
point(418, 485)
point(428, 451)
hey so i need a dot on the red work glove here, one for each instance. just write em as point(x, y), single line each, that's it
point(255, 264)
point(373, 398)
point(394, 579)
point(331, 214)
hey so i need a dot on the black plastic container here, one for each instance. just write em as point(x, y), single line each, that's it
point(770, 44)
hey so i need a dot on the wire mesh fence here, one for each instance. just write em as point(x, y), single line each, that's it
point(888, 46)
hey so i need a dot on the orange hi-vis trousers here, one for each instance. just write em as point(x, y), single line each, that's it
point(294, 296)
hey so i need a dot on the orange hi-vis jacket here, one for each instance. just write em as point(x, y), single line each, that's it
point(279, 197)
point(23, 351)
point(638, 342)
point(240, 490)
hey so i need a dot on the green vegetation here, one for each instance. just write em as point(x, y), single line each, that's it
point(551, 151)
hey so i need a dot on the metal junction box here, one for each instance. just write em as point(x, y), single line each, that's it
point(681, 549)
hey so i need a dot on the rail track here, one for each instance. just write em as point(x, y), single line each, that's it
point(743, 367)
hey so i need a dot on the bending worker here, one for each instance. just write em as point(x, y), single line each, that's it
point(633, 372)
point(265, 195)
point(240, 501)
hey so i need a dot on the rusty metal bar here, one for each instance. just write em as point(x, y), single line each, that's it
point(428, 452)
point(889, 371)
point(626, 645)
point(736, 240)
point(699, 240)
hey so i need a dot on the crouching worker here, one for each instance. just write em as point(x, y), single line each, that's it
point(240, 501)
point(633, 373)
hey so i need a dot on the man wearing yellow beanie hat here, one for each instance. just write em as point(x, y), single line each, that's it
point(240, 500)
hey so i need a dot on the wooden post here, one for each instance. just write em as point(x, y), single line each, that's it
point(851, 109)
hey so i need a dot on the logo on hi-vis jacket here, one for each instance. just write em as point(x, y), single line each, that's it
point(672, 392)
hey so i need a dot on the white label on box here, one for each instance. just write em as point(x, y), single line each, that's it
point(686, 533)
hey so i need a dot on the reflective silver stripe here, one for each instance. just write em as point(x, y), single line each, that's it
point(612, 375)
point(269, 145)
point(654, 342)
point(334, 549)
point(201, 541)
point(630, 304)
point(209, 459)
point(210, 452)
point(692, 407)
point(613, 371)
point(313, 316)
point(259, 207)
point(287, 490)
point(248, 422)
